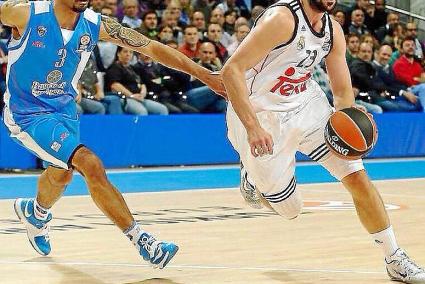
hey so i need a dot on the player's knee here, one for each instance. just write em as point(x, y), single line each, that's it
point(289, 208)
point(59, 178)
point(88, 164)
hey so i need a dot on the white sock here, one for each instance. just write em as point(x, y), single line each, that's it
point(133, 232)
point(40, 212)
point(386, 239)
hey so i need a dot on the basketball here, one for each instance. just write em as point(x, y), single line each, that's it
point(350, 133)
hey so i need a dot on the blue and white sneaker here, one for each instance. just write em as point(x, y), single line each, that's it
point(158, 253)
point(37, 230)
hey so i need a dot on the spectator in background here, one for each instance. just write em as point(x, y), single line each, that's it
point(412, 31)
point(172, 43)
point(370, 39)
point(214, 35)
point(255, 12)
point(198, 20)
point(380, 15)
point(149, 26)
point(97, 5)
point(186, 12)
point(364, 77)
point(113, 5)
point(357, 23)
point(353, 43)
point(121, 78)
point(230, 17)
point(339, 16)
point(175, 9)
point(205, 6)
point(217, 17)
point(406, 100)
point(191, 44)
point(241, 32)
point(381, 32)
point(227, 5)
point(91, 98)
point(169, 19)
point(166, 89)
point(394, 36)
point(131, 10)
point(201, 97)
point(165, 33)
point(410, 72)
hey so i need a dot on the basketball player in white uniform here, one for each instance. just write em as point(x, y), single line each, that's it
point(276, 109)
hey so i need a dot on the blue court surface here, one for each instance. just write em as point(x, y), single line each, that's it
point(184, 178)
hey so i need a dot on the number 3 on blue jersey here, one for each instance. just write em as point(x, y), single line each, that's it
point(62, 56)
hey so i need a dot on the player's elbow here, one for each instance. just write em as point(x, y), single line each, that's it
point(231, 68)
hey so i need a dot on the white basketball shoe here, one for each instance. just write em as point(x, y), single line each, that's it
point(401, 268)
point(248, 191)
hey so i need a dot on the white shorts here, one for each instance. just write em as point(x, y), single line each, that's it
point(301, 130)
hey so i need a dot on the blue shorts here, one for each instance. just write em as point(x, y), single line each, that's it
point(52, 137)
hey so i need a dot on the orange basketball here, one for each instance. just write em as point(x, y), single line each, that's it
point(350, 133)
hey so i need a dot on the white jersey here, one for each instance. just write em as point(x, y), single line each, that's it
point(282, 80)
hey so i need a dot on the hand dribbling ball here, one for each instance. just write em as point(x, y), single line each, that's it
point(350, 133)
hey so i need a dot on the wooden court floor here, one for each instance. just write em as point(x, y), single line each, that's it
point(221, 240)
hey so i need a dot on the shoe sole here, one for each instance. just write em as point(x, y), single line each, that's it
point(25, 223)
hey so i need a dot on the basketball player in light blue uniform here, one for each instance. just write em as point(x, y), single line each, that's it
point(51, 43)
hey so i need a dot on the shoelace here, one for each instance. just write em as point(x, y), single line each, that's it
point(148, 243)
point(409, 266)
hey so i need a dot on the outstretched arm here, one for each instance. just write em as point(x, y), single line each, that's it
point(339, 76)
point(114, 32)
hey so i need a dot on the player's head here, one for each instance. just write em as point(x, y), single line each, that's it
point(322, 5)
point(77, 6)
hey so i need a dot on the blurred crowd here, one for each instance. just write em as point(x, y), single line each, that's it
point(385, 57)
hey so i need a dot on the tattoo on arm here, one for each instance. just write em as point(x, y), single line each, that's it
point(12, 3)
point(126, 35)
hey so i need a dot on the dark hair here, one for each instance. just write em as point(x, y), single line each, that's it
point(350, 35)
point(189, 27)
point(148, 12)
point(337, 11)
point(171, 41)
point(407, 38)
point(393, 27)
point(161, 27)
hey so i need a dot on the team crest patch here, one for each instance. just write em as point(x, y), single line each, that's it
point(41, 30)
point(327, 44)
point(84, 43)
point(54, 76)
point(301, 43)
point(55, 146)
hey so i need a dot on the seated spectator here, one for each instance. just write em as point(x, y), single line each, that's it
point(131, 10)
point(186, 12)
point(339, 16)
point(198, 20)
point(241, 32)
point(121, 78)
point(255, 12)
point(97, 5)
point(204, 6)
point(175, 8)
point(190, 46)
point(91, 98)
point(410, 72)
point(379, 15)
point(149, 25)
point(229, 21)
point(406, 100)
point(165, 33)
point(214, 35)
point(227, 5)
point(394, 36)
point(113, 5)
point(412, 31)
point(167, 85)
point(353, 43)
point(370, 39)
point(169, 18)
point(357, 23)
point(217, 17)
point(201, 97)
point(381, 32)
point(364, 78)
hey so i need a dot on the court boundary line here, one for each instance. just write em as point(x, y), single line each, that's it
point(193, 266)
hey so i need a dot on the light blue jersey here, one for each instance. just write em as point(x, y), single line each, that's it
point(42, 76)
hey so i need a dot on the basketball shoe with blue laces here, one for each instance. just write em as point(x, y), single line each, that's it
point(401, 268)
point(157, 253)
point(248, 191)
point(37, 230)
